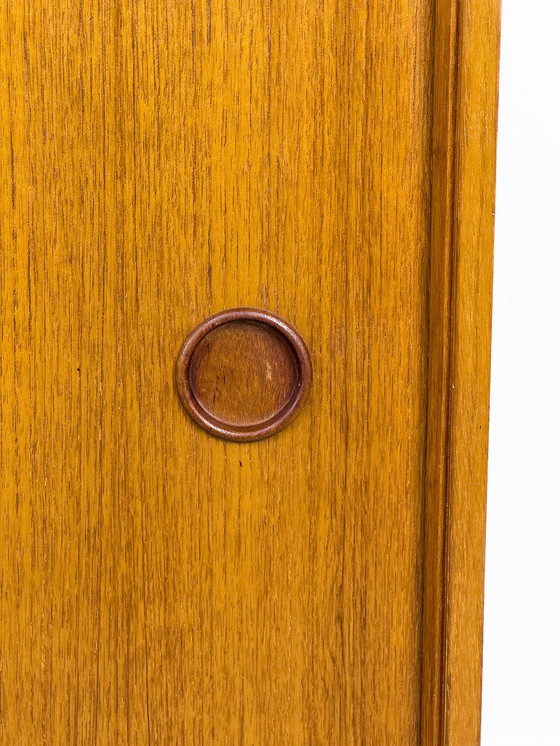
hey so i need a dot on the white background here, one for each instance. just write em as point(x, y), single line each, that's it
point(521, 682)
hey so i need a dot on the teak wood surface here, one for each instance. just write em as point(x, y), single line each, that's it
point(332, 162)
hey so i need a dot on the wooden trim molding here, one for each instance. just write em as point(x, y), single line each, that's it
point(463, 180)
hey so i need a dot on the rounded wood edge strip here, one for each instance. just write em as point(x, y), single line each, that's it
point(463, 183)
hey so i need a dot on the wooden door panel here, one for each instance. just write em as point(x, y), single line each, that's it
point(164, 161)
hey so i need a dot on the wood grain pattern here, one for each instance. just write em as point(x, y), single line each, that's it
point(464, 149)
point(162, 161)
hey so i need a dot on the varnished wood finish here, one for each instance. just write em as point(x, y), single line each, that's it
point(162, 161)
point(243, 374)
point(464, 147)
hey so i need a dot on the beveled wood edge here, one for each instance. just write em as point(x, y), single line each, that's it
point(226, 430)
point(465, 86)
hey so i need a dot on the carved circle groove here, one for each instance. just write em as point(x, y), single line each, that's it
point(243, 374)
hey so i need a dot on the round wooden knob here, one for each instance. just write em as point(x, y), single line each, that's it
point(243, 374)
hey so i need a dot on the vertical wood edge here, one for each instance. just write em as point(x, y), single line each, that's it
point(439, 342)
point(466, 53)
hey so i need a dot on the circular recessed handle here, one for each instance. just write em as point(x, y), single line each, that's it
point(243, 374)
